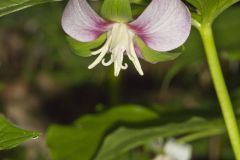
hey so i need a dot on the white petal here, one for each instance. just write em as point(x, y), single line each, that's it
point(164, 25)
point(178, 151)
point(162, 157)
point(133, 57)
point(81, 22)
point(102, 52)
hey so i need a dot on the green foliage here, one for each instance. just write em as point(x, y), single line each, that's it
point(124, 139)
point(208, 10)
point(117, 10)
point(10, 6)
point(81, 140)
point(116, 130)
point(155, 56)
point(140, 2)
point(11, 136)
point(84, 49)
point(231, 55)
point(226, 30)
point(106, 134)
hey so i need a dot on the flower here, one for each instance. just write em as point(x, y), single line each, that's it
point(178, 151)
point(163, 26)
point(162, 157)
point(175, 151)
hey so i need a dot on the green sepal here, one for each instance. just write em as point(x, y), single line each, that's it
point(117, 10)
point(140, 2)
point(84, 49)
point(137, 10)
point(154, 56)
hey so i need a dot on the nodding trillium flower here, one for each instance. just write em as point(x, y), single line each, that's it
point(163, 26)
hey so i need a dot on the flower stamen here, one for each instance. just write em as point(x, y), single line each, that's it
point(119, 42)
point(104, 63)
point(102, 52)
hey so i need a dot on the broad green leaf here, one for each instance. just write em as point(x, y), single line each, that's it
point(11, 136)
point(10, 6)
point(81, 140)
point(125, 139)
point(208, 10)
point(117, 10)
point(84, 49)
point(154, 56)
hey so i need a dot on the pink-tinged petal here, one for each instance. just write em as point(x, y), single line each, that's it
point(164, 25)
point(81, 22)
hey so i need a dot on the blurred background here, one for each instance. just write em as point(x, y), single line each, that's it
point(42, 81)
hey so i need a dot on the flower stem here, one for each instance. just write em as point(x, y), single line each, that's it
point(221, 89)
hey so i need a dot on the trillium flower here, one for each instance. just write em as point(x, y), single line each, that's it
point(163, 26)
point(175, 151)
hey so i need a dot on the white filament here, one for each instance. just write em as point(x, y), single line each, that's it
point(119, 42)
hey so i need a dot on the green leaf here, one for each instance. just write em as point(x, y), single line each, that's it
point(226, 30)
point(84, 49)
point(81, 140)
point(208, 10)
point(125, 139)
point(11, 136)
point(154, 56)
point(231, 55)
point(117, 10)
point(10, 6)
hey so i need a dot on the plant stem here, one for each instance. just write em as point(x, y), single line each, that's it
point(114, 90)
point(200, 135)
point(221, 89)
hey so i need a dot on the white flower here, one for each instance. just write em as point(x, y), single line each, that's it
point(163, 26)
point(178, 151)
point(175, 151)
point(119, 42)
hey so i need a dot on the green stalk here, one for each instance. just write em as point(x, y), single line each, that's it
point(200, 135)
point(114, 90)
point(221, 89)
